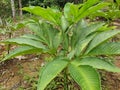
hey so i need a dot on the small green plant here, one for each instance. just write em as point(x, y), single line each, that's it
point(76, 47)
point(111, 12)
point(7, 27)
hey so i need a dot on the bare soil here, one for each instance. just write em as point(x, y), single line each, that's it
point(20, 73)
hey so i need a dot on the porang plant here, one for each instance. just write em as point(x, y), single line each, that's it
point(76, 47)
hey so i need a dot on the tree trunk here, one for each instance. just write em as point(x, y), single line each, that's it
point(13, 9)
point(20, 8)
point(14, 19)
point(75, 1)
point(114, 1)
point(78, 1)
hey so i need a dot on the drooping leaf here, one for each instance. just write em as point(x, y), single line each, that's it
point(86, 77)
point(112, 48)
point(100, 38)
point(21, 51)
point(97, 63)
point(33, 37)
point(50, 71)
point(26, 41)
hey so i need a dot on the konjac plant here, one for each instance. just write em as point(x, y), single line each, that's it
point(77, 47)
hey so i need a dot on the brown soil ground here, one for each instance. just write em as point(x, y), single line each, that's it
point(20, 73)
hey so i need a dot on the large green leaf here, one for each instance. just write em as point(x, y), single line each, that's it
point(26, 41)
point(73, 13)
point(77, 30)
point(81, 33)
point(46, 13)
point(92, 9)
point(112, 48)
point(34, 37)
point(82, 45)
point(97, 63)
point(87, 5)
point(50, 71)
point(34, 26)
point(45, 32)
point(49, 33)
point(84, 32)
point(100, 38)
point(21, 51)
point(39, 29)
point(86, 76)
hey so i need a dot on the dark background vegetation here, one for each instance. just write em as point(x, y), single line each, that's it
point(6, 11)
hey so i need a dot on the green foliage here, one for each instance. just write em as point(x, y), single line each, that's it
point(47, 14)
point(86, 76)
point(94, 61)
point(74, 45)
point(111, 12)
point(48, 72)
point(108, 49)
point(7, 26)
point(100, 38)
point(5, 8)
point(22, 50)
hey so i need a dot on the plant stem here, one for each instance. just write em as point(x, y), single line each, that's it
point(9, 45)
point(65, 79)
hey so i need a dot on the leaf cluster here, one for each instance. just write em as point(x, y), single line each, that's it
point(111, 12)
